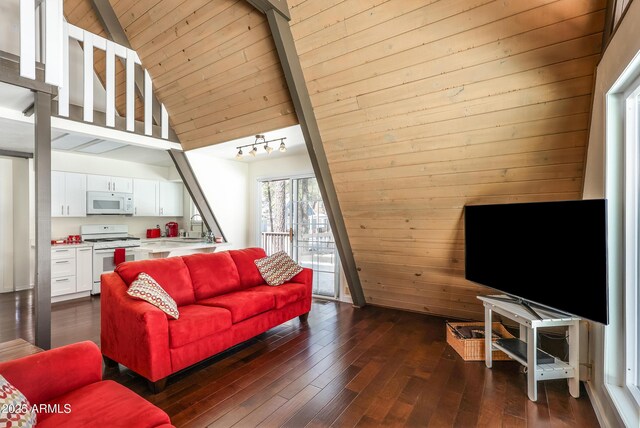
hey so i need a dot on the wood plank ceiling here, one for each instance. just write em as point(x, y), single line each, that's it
point(213, 65)
point(423, 106)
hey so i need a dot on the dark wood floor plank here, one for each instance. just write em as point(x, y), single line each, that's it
point(346, 367)
point(281, 415)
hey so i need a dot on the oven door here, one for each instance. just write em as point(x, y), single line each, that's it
point(103, 263)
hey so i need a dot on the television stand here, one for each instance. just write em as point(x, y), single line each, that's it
point(529, 325)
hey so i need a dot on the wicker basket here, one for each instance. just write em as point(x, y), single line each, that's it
point(473, 349)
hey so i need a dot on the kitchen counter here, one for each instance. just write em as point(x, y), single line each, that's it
point(83, 244)
point(168, 247)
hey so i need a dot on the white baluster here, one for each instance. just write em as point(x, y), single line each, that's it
point(164, 122)
point(148, 104)
point(53, 42)
point(111, 84)
point(88, 77)
point(63, 93)
point(130, 91)
point(28, 39)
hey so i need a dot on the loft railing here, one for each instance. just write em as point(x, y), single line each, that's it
point(272, 242)
point(57, 34)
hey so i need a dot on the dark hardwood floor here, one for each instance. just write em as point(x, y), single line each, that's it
point(347, 367)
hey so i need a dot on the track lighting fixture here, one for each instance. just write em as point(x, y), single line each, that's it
point(267, 148)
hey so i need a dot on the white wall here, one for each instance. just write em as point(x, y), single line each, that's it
point(10, 26)
point(6, 225)
point(22, 278)
point(612, 71)
point(224, 183)
point(75, 162)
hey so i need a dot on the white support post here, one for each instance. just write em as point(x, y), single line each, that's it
point(148, 104)
point(63, 93)
point(88, 77)
point(111, 85)
point(28, 39)
point(53, 42)
point(130, 91)
point(164, 122)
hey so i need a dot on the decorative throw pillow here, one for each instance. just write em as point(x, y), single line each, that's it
point(278, 268)
point(15, 410)
point(146, 288)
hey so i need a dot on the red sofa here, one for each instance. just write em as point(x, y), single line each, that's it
point(69, 380)
point(222, 300)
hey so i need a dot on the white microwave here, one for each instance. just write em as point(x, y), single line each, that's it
point(109, 203)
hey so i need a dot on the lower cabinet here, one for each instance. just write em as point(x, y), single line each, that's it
point(71, 270)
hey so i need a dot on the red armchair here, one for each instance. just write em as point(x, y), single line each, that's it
point(69, 381)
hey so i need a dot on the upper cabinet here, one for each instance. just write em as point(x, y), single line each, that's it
point(68, 194)
point(103, 183)
point(146, 197)
point(171, 195)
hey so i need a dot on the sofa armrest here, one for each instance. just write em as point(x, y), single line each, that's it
point(133, 332)
point(304, 277)
point(46, 375)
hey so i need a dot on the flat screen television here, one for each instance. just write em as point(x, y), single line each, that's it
point(552, 254)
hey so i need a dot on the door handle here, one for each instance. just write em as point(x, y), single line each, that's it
point(67, 209)
point(61, 262)
point(62, 280)
point(114, 186)
point(291, 234)
point(62, 210)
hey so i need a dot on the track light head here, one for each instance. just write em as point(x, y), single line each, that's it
point(282, 147)
point(268, 148)
point(253, 151)
point(239, 155)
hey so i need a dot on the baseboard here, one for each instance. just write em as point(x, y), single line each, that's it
point(600, 408)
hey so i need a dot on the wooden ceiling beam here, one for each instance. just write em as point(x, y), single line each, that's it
point(279, 6)
point(290, 62)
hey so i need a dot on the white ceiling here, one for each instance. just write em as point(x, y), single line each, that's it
point(294, 142)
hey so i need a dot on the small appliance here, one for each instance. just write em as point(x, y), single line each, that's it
point(153, 233)
point(171, 229)
point(109, 203)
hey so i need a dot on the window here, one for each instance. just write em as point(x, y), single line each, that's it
point(632, 210)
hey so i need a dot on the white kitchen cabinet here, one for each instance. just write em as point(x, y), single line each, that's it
point(104, 183)
point(84, 269)
point(171, 195)
point(122, 184)
point(146, 197)
point(71, 271)
point(63, 271)
point(68, 194)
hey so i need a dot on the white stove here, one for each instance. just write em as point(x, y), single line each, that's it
point(106, 239)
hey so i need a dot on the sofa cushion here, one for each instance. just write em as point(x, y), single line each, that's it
point(197, 322)
point(284, 294)
point(171, 273)
point(242, 304)
point(103, 404)
point(245, 262)
point(278, 268)
point(146, 288)
point(212, 274)
point(15, 409)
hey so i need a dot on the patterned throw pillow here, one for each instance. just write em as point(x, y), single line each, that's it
point(146, 288)
point(278, 268)
point(15, 410)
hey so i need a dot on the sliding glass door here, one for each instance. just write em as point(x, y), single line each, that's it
point(293, 219)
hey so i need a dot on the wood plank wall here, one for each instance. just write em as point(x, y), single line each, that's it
point(425, 106)
point(213, 65)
